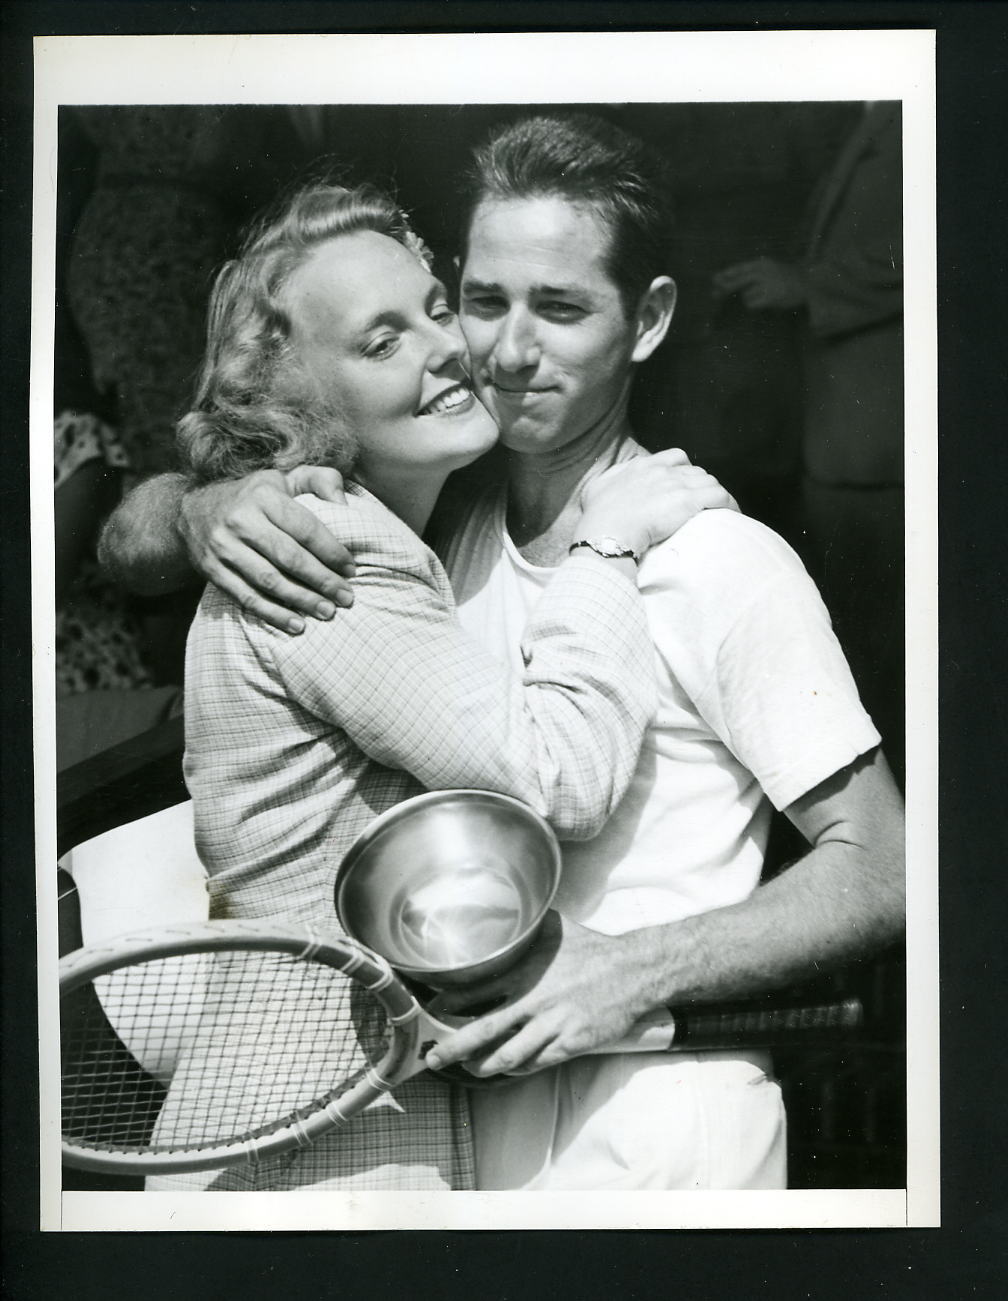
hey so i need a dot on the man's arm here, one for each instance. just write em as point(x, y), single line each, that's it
point(140, 547)
point(250, 538)
point(247, 536)
point(577, 990)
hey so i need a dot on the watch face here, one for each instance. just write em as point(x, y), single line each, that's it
point(607, 547)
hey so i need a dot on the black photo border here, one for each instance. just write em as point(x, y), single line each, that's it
point(966, 1256)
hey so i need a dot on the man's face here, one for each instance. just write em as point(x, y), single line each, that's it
point(550, 343)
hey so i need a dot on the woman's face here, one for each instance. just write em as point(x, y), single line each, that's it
point(373, 330)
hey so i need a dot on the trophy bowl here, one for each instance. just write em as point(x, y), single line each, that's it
point(451, 886)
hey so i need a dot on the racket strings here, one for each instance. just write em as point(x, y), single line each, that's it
point(210, 1049)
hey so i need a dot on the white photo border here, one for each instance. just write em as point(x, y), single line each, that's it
point(541, 67)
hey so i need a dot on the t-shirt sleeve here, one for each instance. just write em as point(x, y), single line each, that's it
point(791, 709)
point(763, 665)
point(399, 675)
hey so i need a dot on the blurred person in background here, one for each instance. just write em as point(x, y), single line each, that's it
point(155, 195)
point(105, 688)
point(846, 289)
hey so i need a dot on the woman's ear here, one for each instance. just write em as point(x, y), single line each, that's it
point(654, 316)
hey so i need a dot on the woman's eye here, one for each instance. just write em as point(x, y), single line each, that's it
point(442, 313)
point(382, 347)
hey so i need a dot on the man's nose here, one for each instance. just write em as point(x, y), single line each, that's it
point(516, 346)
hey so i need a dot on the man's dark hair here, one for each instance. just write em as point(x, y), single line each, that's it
point(585, 160)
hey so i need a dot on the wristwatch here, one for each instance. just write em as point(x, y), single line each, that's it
point(606, 547)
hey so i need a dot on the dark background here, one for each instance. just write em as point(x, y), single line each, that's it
point(967, 1256)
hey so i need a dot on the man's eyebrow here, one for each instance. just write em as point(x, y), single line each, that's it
point(562, 291)
point(541, 291)
point(487, 286)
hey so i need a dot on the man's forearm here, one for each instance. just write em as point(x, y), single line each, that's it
point(845, 899)
point(576, 990)
point(140, 546)
point(832, 907)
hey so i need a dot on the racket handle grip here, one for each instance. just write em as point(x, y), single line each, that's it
point(742, 1026)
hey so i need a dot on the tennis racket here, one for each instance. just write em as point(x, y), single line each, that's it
point(202, 1046)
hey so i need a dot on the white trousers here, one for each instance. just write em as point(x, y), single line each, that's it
point(643, 1121)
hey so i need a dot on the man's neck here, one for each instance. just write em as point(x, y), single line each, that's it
point(544, 489)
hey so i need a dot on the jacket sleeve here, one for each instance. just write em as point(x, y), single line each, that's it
point(399, 675)
point(855, 288)
point(854, 272)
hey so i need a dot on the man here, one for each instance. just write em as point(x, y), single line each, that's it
point(563, 293)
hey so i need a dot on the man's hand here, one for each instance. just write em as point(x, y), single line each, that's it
point(572, 992)
point(763, 284)
point(252, 540)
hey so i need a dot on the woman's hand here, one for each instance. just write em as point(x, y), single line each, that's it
point(252, 540)
point(644, 501)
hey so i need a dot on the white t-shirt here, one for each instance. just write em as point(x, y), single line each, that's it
point(755, 697)
point(756, 704)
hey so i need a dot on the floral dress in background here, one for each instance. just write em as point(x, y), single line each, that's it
point(97, 643)
point(145, 250)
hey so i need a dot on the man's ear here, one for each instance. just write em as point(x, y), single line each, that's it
point(654, 316)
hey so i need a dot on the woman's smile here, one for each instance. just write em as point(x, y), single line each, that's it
point(456, 399)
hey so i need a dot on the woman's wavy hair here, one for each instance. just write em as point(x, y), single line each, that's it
point(253, 407)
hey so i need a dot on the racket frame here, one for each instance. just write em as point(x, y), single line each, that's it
point(413, 1032)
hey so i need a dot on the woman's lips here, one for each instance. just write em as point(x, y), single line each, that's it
point(451, 400)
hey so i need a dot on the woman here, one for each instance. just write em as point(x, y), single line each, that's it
point(330, 342)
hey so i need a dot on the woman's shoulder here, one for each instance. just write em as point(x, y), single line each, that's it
point(361, 515)
point(374, 534)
